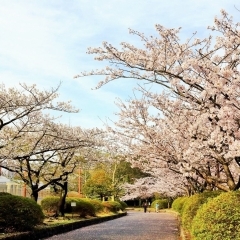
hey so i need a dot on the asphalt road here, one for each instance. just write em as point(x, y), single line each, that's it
point(134, 226)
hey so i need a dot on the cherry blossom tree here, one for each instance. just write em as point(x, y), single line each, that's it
point(201, 106)
point(169, 140)
point(17, 103)
point(151, 148)
point(33, 146)
point(44, 151)
point(145, 188)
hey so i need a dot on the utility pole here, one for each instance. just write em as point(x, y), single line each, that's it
point(79, 181)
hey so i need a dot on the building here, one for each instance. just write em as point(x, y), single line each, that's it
point(19, 188)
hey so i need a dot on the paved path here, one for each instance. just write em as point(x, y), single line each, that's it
point(134, 226)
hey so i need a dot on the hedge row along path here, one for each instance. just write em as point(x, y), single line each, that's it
point(134, 226)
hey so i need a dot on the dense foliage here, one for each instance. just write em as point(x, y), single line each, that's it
point(112, 206)
point(178, 204)
point(50, 205)
point(192, 204)
point(98, 185)
point(218, 218)
point(123, 204)
point(19, 213)
point(84, 206)
point(97, 204)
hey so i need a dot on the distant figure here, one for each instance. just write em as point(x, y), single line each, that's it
point(157, 207)
point(145, 206)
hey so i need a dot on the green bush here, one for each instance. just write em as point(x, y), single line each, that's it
point(83, 207)
point(97, 204)
point(123, 204)
point(50, 205)
point(112, 206)
point(163, 203)
point(5, 193)
point(178, 204)
point(19, 213)
point(192, 204)
point(218, 219)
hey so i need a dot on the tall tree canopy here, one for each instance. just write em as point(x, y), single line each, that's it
point(33, 146)
point(197, 129)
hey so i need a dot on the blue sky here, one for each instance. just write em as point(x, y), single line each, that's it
point(45, 42)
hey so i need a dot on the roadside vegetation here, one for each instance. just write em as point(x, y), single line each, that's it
point(19, 214)
point(210, 215)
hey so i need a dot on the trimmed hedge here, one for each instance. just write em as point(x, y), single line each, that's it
point(123, 204)
point(19, 213)
point(192, 204)
point(50, 205)
point(83, 207)
point(112, 206)
point(97, 204)
point(178, 204)
point(218, 219)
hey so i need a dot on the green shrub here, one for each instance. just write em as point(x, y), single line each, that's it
point(19, 213)
point(112, 206)
point(219, 218)
point(5, 193)
point(192, 204)
point(83, 207)
point(97, 204)
point(123, 204)
point(163, 203)
point(50, 205)
point(178, 204)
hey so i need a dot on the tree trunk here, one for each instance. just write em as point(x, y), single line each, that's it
point(230, 181)
point(113, 182)
point(34, 194)
point(62, 200)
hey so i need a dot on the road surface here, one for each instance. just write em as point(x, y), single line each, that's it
point(134, 226)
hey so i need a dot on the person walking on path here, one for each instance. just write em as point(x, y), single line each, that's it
point(157, 207)
point(145, 205)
